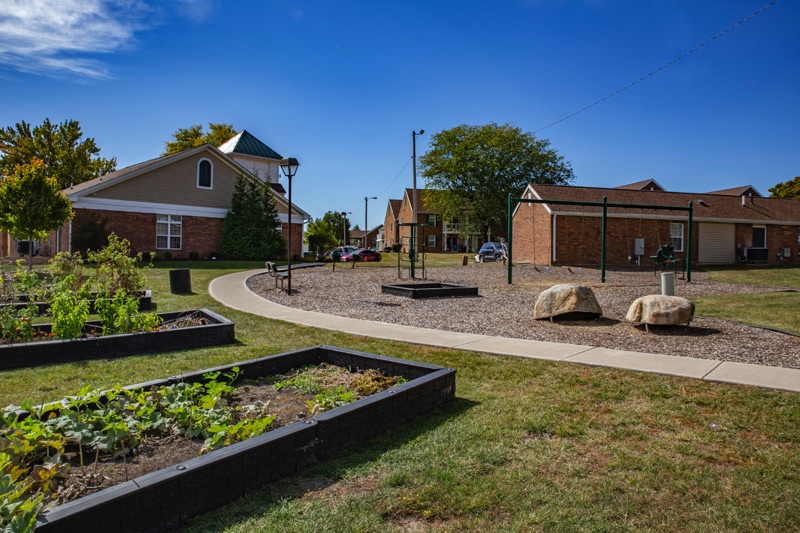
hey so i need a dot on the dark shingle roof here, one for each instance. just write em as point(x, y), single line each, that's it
point(745, 190)
point(706, 206)
point(245, 143)
point(644, 185)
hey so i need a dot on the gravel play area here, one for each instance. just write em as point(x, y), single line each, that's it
point(506, 310)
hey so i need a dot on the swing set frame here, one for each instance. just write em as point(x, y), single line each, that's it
point(605, 204)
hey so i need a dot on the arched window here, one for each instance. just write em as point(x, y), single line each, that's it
point(205, 174)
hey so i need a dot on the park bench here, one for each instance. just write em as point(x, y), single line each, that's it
point(664, 257)
point(272, 270)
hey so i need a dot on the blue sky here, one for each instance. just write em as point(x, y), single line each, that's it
point(342, 84)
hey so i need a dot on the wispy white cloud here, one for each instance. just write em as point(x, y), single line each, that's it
point(57, 37)
point(196, 10)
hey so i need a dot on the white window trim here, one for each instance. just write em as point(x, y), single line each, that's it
point(760, 226)
point(671, 236)
point(170, 224)
point(211, 163)
point(428, 241)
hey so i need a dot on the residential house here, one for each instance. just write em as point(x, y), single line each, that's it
point(366, 239)
point(391, 230)
point(176, 203)
point(727, 227)
point(435, 234)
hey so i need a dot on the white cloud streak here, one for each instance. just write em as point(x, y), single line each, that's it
point(55, 37)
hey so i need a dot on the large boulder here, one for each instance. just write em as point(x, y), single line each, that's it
point(567, 302)
point(657, 309)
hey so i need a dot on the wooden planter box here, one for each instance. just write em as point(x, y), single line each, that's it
point(165, 499)
point(219, 330)
point(145, 303)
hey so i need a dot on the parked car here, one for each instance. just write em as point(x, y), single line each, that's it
point(340, 252)
point(490, 251)
point(366, 255)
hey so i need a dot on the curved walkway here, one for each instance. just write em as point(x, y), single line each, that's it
point(231, 290)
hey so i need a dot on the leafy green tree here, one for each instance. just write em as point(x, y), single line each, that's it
point(32, 204)
point(252, 230)
point(320, 237)
point(787, 189)
point(186, 138)
point(339, 225)
point(66, 158)
point(470, 170)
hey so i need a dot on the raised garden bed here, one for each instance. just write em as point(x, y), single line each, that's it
point(145, 303)
point(429, 290)
point(167, 498)
point(214, 330)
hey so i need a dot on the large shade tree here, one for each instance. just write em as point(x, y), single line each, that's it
point(59, 147)
point(320, 237)
point(32, 204)
point(251, 229)
point(338, 224)
point(470, 170)
point(787, 189)
point(186, 138)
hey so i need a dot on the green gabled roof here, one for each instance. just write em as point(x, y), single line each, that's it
point(247, 144)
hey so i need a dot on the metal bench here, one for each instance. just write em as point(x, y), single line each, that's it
point(272, 270)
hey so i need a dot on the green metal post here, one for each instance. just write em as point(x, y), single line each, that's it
point(412, 250)
point(689, 247)
point(508, 239)
point(603, 241)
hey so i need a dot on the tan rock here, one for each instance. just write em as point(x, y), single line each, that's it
point(567, 301)
point(657, 309)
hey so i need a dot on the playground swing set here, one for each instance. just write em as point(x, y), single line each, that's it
point(664, 255)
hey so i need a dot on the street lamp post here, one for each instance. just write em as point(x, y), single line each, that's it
point(289, 167)
point(344, 227)
point(414, 242)
point(366, 228)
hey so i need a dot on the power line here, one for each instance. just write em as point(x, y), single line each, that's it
point(395, 178)
point(662, 67)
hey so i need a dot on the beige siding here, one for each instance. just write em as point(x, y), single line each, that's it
point(716, 243)
point(176, 183)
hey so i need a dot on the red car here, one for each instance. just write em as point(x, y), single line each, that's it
point(364, 255)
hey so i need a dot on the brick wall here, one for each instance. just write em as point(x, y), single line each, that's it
point(297, 238)
point(422, 231)
point(198, 234)
point(578, 238)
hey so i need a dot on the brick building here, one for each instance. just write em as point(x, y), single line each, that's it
point(435, 234)
point(728, 226)
point(176, 204)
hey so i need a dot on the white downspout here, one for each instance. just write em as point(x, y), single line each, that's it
point(554, 238)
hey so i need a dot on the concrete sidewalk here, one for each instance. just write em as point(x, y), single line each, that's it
point(231, 290)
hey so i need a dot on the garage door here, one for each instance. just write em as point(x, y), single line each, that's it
point(716, 243)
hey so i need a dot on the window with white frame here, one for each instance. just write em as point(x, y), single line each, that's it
point(168, 232)
point(205, 174)
point(431, 220)
point(759, 236)
point(431, 241)
point(676, 236)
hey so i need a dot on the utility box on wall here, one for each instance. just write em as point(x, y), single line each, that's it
point(638, 246)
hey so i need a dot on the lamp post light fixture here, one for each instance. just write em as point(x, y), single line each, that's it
point(366, 205)
point(289, 167)
point(344, 227)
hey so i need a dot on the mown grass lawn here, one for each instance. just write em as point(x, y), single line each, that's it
point(527, 446)
point(775, 310)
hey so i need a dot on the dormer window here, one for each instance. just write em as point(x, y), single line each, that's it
point(205, 174)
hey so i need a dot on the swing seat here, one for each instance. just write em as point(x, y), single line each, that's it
point(665, 257)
